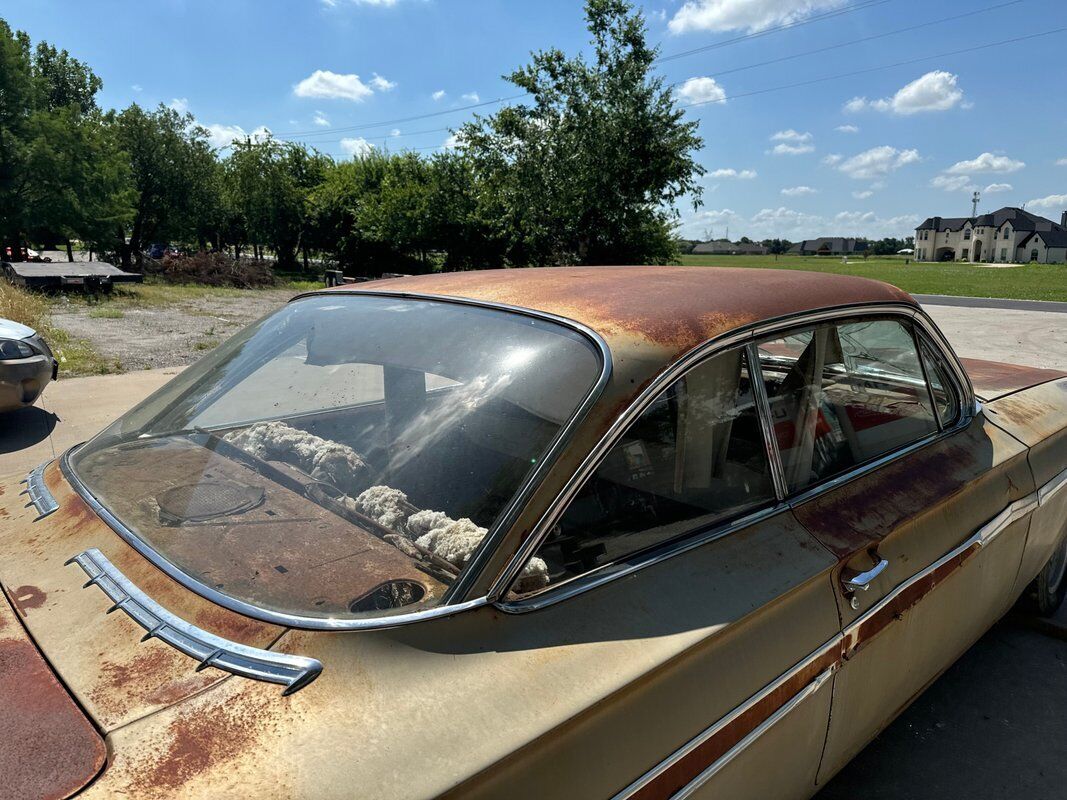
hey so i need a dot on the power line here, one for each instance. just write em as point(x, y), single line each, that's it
point(868, 70)
point(862, 6)
point(851, 42)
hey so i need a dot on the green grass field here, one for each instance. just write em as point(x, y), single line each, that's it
point(1026, 282)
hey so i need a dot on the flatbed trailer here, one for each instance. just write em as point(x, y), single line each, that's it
point(87, 275)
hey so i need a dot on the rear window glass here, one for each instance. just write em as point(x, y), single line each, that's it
point(345, 456)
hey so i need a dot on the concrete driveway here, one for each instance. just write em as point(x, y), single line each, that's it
point(993, 727)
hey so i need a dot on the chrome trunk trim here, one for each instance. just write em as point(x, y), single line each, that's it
point(38, 492)
point(293, 672)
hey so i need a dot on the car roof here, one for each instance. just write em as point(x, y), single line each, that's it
point(656, 312)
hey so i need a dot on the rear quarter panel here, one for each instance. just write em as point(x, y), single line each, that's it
point(1037, 417)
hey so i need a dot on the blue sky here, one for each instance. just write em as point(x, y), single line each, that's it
point(866, 154)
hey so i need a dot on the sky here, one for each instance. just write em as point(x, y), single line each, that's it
point(819, 117)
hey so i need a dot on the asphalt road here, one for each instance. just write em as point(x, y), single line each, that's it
point(1044, 306)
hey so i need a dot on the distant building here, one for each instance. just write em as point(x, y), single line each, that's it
point(829, 246)
point(723, 247)
point(1010, 235)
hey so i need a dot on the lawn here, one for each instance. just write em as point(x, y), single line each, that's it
point(1026, 282)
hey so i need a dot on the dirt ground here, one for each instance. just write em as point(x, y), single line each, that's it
point(168, 335)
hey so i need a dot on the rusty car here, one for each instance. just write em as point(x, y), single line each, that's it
point(604, 532)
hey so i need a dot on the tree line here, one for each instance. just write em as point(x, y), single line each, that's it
point(590, 170)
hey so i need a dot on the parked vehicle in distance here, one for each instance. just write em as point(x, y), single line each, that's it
point(158, 251)
point(638, 532)
point(25, 254)
point(26, 365)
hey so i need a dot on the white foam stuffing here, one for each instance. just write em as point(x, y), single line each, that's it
point(320, 458)
point(386, 506)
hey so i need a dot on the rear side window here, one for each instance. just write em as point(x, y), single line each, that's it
point(693, 459)
point(844, 393)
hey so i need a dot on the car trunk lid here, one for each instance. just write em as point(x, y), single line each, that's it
point(100, 657)
point(51, 750)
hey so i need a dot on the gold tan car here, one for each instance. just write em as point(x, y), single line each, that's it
point(585, 533)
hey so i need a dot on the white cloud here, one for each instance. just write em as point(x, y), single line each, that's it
point(730, 172)
point(798, 191)
point(222, 136)
point(381, 84)
point(453, 141)
point(138, 88)
point(752, 15)
point(995, 188)
point(987, 162)
point(832, 160)
point(701, 90)
point(179, 104)
point(382, 3)
point(785, 149)
point(934, 91)
point(439, 95)
point(792, 143)
point(863, 195)
point(1056, 201)
point(471, 97)
point(321, 120)
point(357, 146)
point(1060, 162)
point(331, 85)
point(847, 129)
point(877, 162)
point(394, 132)
point(953, 183)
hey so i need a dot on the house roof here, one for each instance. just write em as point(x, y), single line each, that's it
point(831, 243)
point(1052, 238)
point(1021, 220)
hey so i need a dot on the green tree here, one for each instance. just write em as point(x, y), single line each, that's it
point(590, 170)
point(170, 162)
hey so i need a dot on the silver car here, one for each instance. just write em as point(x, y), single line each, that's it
point(26, 365)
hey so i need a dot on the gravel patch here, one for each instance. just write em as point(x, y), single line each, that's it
point(169, 336)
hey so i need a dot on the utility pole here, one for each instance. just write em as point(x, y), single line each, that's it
point(974, 203)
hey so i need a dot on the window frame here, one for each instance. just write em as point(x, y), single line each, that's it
point(917, 322)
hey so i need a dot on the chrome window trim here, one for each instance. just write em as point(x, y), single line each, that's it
point(749, 335)
point(453, 601)
point(293, 672)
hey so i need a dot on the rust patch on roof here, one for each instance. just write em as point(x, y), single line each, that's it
point(674, 308)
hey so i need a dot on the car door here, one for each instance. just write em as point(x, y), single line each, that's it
point(923, 502)
point(678, 542)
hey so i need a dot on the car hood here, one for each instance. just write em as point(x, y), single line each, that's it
point(100, 657)
point(14, 330)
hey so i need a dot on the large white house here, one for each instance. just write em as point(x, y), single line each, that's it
point(1010, 235)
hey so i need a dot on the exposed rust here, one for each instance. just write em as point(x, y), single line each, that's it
point(685, 769)
point(50, 749)
point(674, 308)
point(993, 379)
point(27, 597)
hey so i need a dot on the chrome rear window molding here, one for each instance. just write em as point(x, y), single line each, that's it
point(38, 492)
point(293, 672)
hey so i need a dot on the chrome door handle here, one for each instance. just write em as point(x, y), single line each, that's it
point(862, 581)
